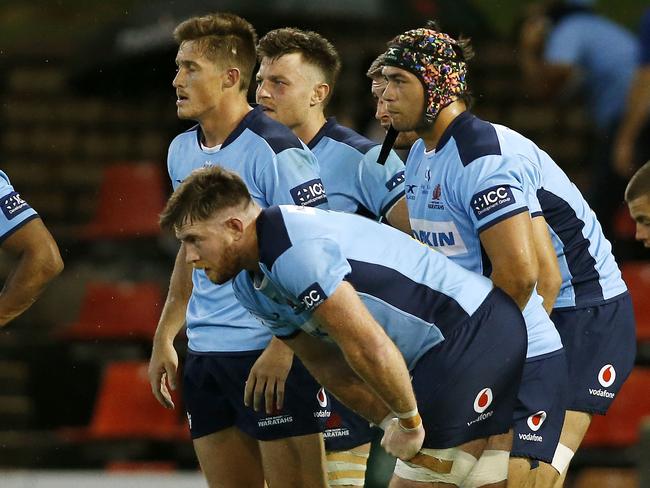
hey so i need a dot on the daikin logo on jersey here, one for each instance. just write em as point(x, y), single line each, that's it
point(606, 378)
point(481, 403)
point(443, 236)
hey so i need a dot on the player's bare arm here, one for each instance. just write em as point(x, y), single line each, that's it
point(367, 348)
point(398, 216)
point(38, 262)
point(326, 363)
point(164, 359)
point(511, 250)
point(549, 280)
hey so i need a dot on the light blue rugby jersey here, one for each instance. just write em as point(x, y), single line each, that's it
point(468, 184)
point(353, 179)
point(590, 275)
point(417, 295)
point(16, 212)
point(277, 168)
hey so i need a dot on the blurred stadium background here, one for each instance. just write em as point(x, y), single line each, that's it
point(87, 111)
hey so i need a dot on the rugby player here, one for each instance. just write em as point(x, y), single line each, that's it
point(235, 445)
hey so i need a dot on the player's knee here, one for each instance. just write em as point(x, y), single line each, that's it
point(562, 458)
point(491, 467)
point(347, 468)
point(437, 466)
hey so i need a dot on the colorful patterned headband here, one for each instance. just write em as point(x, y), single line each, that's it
point(435, 59)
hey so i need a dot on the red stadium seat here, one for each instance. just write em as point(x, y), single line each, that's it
point(620, 427)
point(131, 197)
point(126, 409)
point(637, 278)
point(118, 311)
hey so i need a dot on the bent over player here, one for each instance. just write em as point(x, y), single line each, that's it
point(363, 318)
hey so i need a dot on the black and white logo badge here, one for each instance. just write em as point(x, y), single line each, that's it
point(310, 193)
point(395, 181)
point(312, 296)
point(489, 201)
point(13, 205)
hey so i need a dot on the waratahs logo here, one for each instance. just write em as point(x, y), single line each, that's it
point(483, 400)
point(321, 397)
point(536, 420)
point(607, 375)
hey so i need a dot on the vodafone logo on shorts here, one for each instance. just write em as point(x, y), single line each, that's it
point(483, 400)
point(321, 397)
point(607, 375)
point(536, 420)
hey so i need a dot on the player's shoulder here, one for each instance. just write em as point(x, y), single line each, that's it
point(475, 139)
point(345, 137)
point(189, 136)
point(277, 136)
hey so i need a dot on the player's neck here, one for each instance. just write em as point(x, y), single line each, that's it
point(308, 130)
point(250, 255)
point(217, 126)
point(431, 136)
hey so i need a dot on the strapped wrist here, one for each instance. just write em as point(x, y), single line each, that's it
point(414, 422)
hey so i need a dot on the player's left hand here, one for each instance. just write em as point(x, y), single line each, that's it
point(400, 442)
point(267, 378)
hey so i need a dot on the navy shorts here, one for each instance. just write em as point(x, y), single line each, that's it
point(541, 404)
point(213, 392)
point(466, 386)
point(600, 342)
point(342, 428)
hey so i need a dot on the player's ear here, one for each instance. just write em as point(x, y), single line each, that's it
point(319, 94)
point(236, 227)
point(232, 78)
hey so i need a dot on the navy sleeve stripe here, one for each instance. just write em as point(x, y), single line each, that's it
point(391, 204)
point(11, 232)
point(566, 224)
point(536, 214)
point(272, 235)
point(407, 295)
point(503, 217)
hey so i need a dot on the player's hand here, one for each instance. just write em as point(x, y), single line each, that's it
point(162, 372)
point(267, 378)
point(401, 442)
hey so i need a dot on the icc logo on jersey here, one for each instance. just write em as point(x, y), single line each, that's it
point(310, 193)
point(312, 296)
point(13, 205)
point(489, 201)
